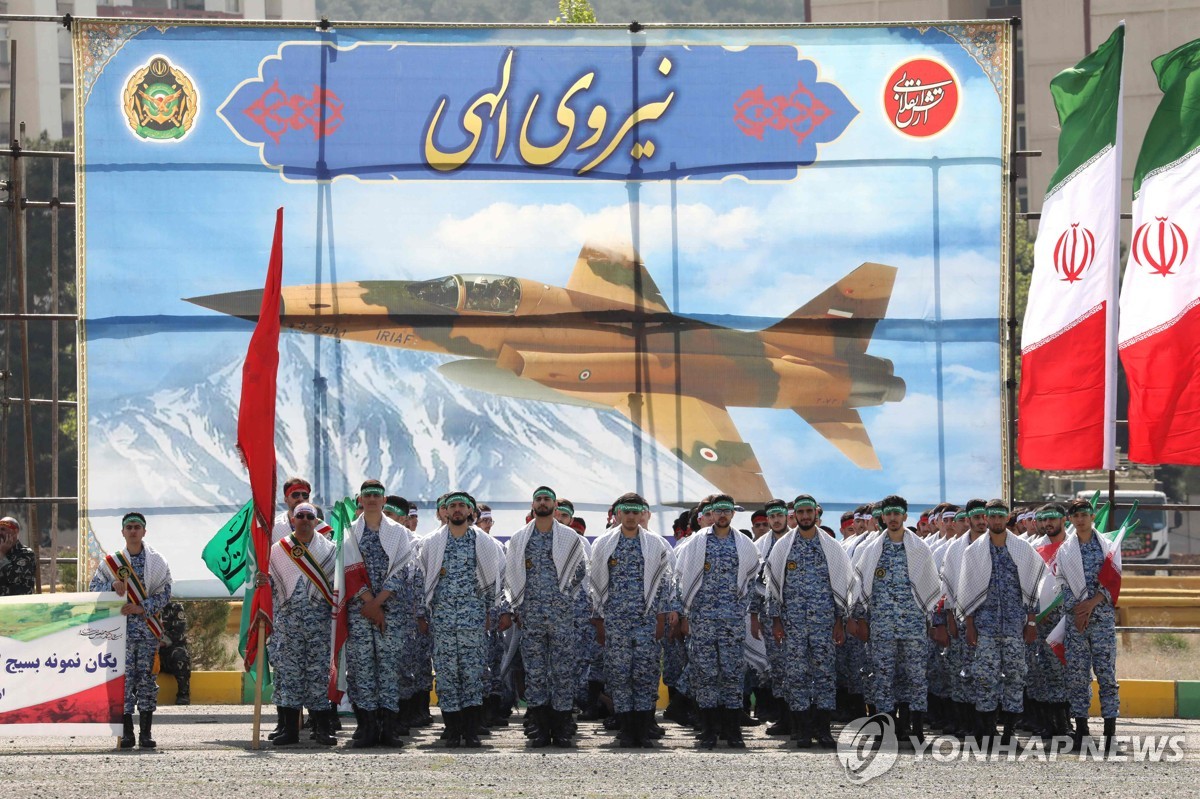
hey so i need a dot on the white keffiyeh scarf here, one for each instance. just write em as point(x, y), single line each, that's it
point(922, 571)
point(975, 574)
point(836, 560)
point(656, 560)
point(286, 575)
point(1069, 569)
point(568, 548)
point(689, 564)
point(489, 562)
point(397, 542)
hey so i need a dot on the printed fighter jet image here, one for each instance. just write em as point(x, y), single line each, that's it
point(608, 340)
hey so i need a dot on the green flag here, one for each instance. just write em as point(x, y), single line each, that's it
point(225, 554)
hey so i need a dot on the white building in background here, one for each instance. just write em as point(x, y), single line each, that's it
point(44, 95)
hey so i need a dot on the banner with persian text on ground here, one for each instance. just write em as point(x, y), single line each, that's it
point(758, 261)
point(62, 664)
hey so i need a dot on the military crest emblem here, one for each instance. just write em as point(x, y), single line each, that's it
point(160, 101)
point(791, 565)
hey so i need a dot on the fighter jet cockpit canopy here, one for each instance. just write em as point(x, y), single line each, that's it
point(471, 293)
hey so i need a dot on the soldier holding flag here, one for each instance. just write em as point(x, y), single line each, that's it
point(139, 574)
point(302, 564)
point(1091, 640)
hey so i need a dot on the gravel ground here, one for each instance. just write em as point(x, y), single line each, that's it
point(204, 752)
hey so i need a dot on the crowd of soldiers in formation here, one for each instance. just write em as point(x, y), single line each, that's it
point(934, 624)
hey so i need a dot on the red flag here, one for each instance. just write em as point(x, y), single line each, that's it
point(256, 430)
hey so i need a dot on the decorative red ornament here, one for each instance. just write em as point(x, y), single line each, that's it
point(1160, 245)
point(799, 112)
point(276, 112)
point(1074, 252)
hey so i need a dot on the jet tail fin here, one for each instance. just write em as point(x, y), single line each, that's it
point(847, 311)
point(844, 428)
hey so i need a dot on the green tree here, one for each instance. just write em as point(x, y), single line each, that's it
point(574, 12)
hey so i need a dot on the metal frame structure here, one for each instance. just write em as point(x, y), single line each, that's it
point(17, 311)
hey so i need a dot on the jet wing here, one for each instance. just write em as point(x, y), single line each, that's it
point(843, 427)
point(704, 437)
point(618, 274)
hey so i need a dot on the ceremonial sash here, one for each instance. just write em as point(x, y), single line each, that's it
point(309, 567)
point(122, 569)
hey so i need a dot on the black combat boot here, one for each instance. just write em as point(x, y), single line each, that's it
point(391, 731)
point(733, 728)
point(802, 728)
point(323, 726)
point(1081, 734)
point(784, 725)
point(539, 731)
point(709, 716)
point(146, 722)
point(127, 740)
point(367, 734)
point(290, 734)
point(820, 728)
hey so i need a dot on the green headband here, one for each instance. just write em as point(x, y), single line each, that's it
point(997, 512)
point(633, 507)
point(977, 512)
point(958, 517)
point(776, 511)
point(892, 509)
point(716, 506)
point(545, 492)
point(133, 517)
point(878, 512)
point(706, 509)
point(566, 508)
point(459, 497)
point(804, 503)
point(392, 509)
point(1047, 514)
point(372, 491)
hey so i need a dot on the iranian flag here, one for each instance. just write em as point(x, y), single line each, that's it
point(1057, 639)
point(1160, 298)
point(1067, 401)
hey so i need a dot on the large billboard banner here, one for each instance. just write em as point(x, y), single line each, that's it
point(680, 260)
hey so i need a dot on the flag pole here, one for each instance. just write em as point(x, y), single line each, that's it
point(258, 681)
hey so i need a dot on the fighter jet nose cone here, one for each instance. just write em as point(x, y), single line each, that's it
point(244, 304)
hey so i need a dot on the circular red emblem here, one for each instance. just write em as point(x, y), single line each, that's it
point(708, 454)
point(921, 97)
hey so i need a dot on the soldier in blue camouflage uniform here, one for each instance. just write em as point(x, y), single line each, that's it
point(414, 669)
point(721, 559)
point(807, 623)
point(141, 688)
point(381, 623)
point(1094, 647)
point(674, 649)
point(301, 627)
point(628, 626)
point(542, 591)
point(999, 629)
point(894, 625)
point(775, 513)
point(459, 606)
point(1046, 682)
point(498, 698)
